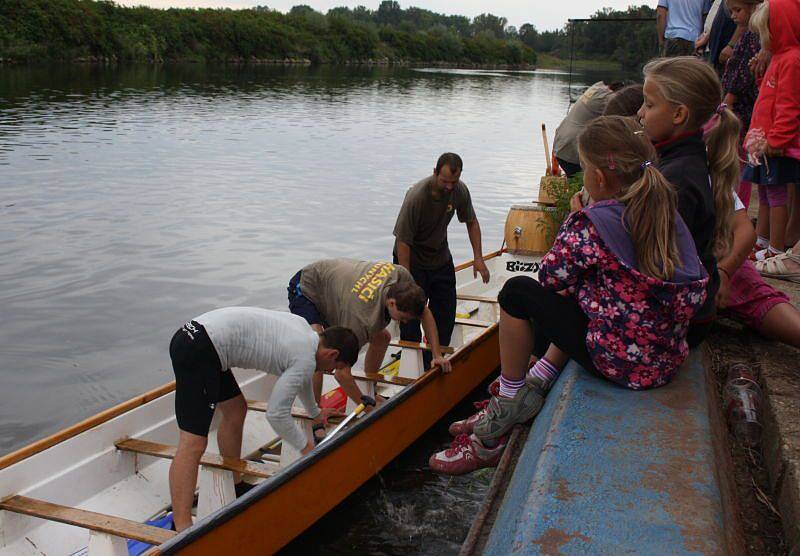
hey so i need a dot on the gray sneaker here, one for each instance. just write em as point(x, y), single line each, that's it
point(503, 413)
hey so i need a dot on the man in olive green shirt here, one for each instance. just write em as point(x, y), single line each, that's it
point(421, 241)
point(366, 296)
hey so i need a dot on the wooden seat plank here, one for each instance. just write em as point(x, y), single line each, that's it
point(417, 345)
point(93, 521)
point(482, 299)
point(254, 405)
point(474, 322)
point(377, 377)
point(212, 460)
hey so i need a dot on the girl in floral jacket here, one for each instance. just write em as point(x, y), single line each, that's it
point(627, 261)
point(615, 292)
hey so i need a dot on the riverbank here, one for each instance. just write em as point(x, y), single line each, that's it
point(767, 480)
point(239, 61)
point(547, 61)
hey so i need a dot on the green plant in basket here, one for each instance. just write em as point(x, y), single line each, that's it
point(561, 192)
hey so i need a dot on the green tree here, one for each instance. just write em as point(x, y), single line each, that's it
point(488, 23)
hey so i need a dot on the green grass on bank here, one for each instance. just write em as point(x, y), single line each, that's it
point(547, 61)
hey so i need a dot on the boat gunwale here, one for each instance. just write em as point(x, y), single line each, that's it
point(240, 505)
point(106, 415)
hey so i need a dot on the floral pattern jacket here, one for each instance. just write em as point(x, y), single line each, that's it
point(637, 324)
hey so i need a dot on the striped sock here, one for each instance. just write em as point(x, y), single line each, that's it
point(762, 242)
point(509, 388)
point(545, 371)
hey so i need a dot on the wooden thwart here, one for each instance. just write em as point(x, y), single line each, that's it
point(254, 405)
point(482, 299)
point(377, 377)
point(473, 322)
point(417, 345)
point(117, 526)
point(211, 460)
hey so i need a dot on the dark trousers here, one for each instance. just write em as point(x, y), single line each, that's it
point(440, 290)
point(677, 47)
point(555, 318)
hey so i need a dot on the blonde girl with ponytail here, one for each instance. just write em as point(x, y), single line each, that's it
point(681, 95)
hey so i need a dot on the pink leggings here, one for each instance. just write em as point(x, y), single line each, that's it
point(773, 195)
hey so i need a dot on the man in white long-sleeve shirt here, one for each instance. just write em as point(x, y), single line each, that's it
point(203, 352)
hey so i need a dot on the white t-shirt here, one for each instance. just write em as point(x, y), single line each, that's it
point(273, 342)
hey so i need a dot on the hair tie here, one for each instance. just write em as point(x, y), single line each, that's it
point(611, 164)
point(644, 165)
point(721, 108)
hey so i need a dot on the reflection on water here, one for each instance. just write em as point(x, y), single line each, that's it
point(132, 199)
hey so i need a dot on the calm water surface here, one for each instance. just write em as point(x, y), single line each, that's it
point(133, 199)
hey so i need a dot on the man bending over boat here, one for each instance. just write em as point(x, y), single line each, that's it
point(203, 353)
point(365, 297)
point(421, 245)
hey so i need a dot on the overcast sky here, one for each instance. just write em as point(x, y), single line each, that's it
point(544, 14)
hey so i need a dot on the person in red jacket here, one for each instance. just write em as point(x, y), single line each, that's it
point(773, 141)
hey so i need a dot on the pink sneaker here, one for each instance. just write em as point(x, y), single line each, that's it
point(465, 455)
point(465, 425)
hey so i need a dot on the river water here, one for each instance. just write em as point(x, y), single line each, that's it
point(133, 199)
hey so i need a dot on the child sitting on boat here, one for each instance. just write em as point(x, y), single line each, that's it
point(204, 351)
point(687, 86)
point(681, 95)
point(364, 297)
point(615, 293)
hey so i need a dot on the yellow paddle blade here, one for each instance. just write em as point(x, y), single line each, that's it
point(391, 369)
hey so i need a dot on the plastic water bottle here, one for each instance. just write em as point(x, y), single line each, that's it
point(742, 399)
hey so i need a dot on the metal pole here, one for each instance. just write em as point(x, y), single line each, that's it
point(571, 56)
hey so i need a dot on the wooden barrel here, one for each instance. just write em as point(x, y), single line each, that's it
point(545, 186)
point(530, 229)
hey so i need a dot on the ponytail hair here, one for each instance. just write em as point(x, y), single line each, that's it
point(616, 146)
point(759, 22)
point(690, 82)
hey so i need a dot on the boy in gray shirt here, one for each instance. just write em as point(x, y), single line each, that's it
point(203, 352)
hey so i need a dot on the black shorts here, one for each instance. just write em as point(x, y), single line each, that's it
point(200, 382)
point(555, 318)
point(300, 304)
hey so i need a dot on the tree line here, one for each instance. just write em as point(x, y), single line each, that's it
point(47, 30)
point(42, 30)
point(630, 43)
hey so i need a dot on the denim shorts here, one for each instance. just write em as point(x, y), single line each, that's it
point(300, 304)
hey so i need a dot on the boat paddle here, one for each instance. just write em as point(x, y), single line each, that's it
point(549, 171)
point(365, 401)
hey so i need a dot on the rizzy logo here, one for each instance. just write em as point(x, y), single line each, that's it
point(519, 266)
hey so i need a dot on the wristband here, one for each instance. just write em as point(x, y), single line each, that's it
point(728, 274)
point(368, 400)
point(732, 44)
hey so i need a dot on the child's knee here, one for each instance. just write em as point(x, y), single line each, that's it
point(514, 288)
